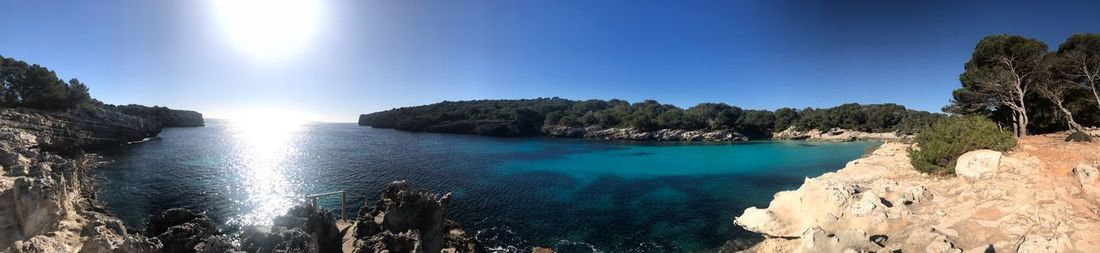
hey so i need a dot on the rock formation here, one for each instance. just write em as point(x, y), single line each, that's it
point(89, 128)
point(837, 134)
point(1014, 202)
point(163, 116)
point(46, 203)
point(406, 219)
point(638, 135)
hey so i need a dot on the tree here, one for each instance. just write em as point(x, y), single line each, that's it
point(784, 118)
point(1003, 70)
point(1077, 62)
point(1056, 88)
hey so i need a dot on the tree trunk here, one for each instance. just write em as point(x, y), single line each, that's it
point(1069, 117)
point(1015, 123)
point(1095, 94)
point(1022, 121)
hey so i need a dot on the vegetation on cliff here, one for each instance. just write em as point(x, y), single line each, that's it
point(34, 86)
point(528, 116)
point(24, 85)
point(948, 138)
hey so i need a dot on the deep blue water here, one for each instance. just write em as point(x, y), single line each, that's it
point(513, 192)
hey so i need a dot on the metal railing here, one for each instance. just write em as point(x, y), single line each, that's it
point(343, 201)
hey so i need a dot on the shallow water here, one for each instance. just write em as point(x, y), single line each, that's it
point(514, 193)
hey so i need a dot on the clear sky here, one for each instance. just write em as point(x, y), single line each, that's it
point(332, 60)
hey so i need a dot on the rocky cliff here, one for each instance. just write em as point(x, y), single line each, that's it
point(639, 135)
point(837, 134)
point(1040, 197)
point(164, 116)
point(47, 201)
point(86, 128)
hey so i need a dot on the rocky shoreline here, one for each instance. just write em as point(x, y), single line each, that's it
point(634, 134)
point(1024, 200)
point(838, 134)
point(48, 201)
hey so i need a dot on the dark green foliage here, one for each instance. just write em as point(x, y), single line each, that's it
point(1067, 75)
point(1079, 137)
point(528, 116)
point(34, 86)
point(867, 118)
point(948, 138)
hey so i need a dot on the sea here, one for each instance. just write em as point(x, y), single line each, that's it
point(569, 194)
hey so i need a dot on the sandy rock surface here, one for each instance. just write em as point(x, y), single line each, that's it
point(1025, 200)
point(837, 134)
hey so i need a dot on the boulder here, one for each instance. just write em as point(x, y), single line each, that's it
point(180, 230)
point(1089, 178)
point(978, 164)
point(408, 218)
point(761, 221)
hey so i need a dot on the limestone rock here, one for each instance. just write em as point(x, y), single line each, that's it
point(639, 135)
point(1089, 178)
point(408, 218)
point(761, 221)
point(978, 164)
point(836, 134)
point(1042, 244)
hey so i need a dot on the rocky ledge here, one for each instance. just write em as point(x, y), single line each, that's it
point(1027, 200)
point(47, 201)
point(838, 134)
point(87, 128)
point(639, 135)
point(407, 219)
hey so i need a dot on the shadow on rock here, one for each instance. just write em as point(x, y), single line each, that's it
point(408, 219)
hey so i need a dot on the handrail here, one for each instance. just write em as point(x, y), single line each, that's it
point(343, 201)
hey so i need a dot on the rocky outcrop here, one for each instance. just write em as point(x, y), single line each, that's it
point(304, 228)
point(163, 116)
point(45, 199)
point(86, 128)
point(47, 202)
point(837, 134)
point(634, 134)
point(879, 203)
point(978, 164)
point(407, 219)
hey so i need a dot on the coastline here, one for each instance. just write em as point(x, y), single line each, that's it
point(1022, 200)
point(48, 199)
point(682, 135)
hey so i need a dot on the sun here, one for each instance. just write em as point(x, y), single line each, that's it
point(268, 28)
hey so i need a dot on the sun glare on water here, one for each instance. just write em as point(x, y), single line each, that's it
point(266, 140)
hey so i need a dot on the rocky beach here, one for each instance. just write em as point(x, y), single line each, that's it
point(1038, 197)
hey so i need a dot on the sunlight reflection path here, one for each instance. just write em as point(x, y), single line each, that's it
point(262, 161)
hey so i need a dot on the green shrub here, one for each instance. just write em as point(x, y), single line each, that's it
point(1079, 137)
point(941, 144)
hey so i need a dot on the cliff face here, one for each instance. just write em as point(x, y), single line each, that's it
point(164, 116)
point(77, 129)
point(46, 201)
point(1040, 197)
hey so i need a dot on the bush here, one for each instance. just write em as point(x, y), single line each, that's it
point(942, 143)
point(1079, 137)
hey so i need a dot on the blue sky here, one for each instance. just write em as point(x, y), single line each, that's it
point(337, 59)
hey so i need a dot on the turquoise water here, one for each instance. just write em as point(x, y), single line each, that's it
point(512, 193)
